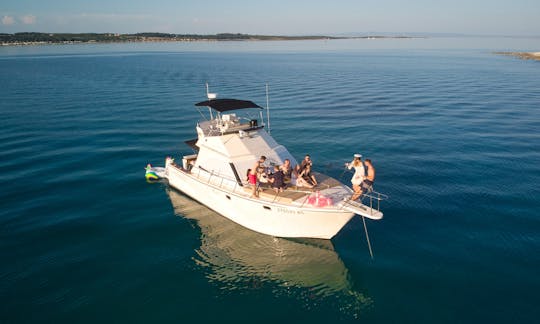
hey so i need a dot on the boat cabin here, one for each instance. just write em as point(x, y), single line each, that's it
point(228, 143)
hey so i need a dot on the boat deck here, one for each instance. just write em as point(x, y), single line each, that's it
point(291, 193)
point(294, 193)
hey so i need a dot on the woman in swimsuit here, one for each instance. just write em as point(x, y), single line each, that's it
point(306, 178)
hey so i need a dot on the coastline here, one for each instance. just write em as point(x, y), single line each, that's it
point(522, 55)
point(30, 39)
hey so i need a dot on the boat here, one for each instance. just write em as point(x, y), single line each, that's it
point(230, 139)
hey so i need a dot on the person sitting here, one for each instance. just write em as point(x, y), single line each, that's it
point(305, 161)
point(287, 170)
point(262, 174)
point(306, 178)
point(277, 179)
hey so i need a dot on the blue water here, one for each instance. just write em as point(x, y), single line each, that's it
point(452, 129)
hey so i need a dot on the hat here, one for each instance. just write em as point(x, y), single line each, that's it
point(358, 155)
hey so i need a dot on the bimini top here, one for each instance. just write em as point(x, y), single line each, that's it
point(222, 105)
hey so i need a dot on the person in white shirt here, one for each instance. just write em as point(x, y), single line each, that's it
point(359, 174)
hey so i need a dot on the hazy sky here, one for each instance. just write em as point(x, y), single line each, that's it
point(283, 17)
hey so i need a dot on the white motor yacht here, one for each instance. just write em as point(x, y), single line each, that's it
point(227, 145)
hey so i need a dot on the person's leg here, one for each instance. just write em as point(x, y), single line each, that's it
point(357, 192)
point(364, 187)
point(253, 182)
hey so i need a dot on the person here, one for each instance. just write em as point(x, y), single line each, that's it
point(305, 161)
point(367, 184)
point(306, 178)
point(287, 170)
point(358, 177)
point(277, 179)
point(252, 175)
point(262, 174)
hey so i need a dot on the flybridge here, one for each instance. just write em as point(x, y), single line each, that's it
point(221, 124)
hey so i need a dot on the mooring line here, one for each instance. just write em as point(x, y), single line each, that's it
point(367, 237)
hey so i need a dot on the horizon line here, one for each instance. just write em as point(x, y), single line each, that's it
point(334, 34)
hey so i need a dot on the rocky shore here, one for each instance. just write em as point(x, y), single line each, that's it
point(522, 55)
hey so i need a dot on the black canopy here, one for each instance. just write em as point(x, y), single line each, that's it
point(222, 105)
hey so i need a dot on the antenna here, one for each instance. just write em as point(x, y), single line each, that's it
point(267, 108)
point(210, 96)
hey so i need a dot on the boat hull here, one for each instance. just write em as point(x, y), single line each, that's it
point(267, 217)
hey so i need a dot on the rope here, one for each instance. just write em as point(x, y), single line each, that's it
point(367, 237)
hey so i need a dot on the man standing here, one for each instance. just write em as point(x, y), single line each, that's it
point(367, 184)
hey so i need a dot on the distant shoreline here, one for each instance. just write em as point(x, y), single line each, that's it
point(522, 55)
point(23, 39)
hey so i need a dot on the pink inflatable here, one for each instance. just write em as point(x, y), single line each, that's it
point(318, 200)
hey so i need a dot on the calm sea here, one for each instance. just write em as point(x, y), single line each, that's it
point(453, 130)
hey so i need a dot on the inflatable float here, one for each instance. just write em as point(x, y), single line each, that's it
point(154, 173)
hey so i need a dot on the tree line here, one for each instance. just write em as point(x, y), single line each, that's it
point(112, 37)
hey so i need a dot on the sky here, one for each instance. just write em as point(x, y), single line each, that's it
point(275, 17)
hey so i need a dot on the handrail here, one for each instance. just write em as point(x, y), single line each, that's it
point(215, 127)
point(380, 196)
point(223, 177)
point(305, 199)
point(374, 195)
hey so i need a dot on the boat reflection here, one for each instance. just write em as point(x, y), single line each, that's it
point(240, 258)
